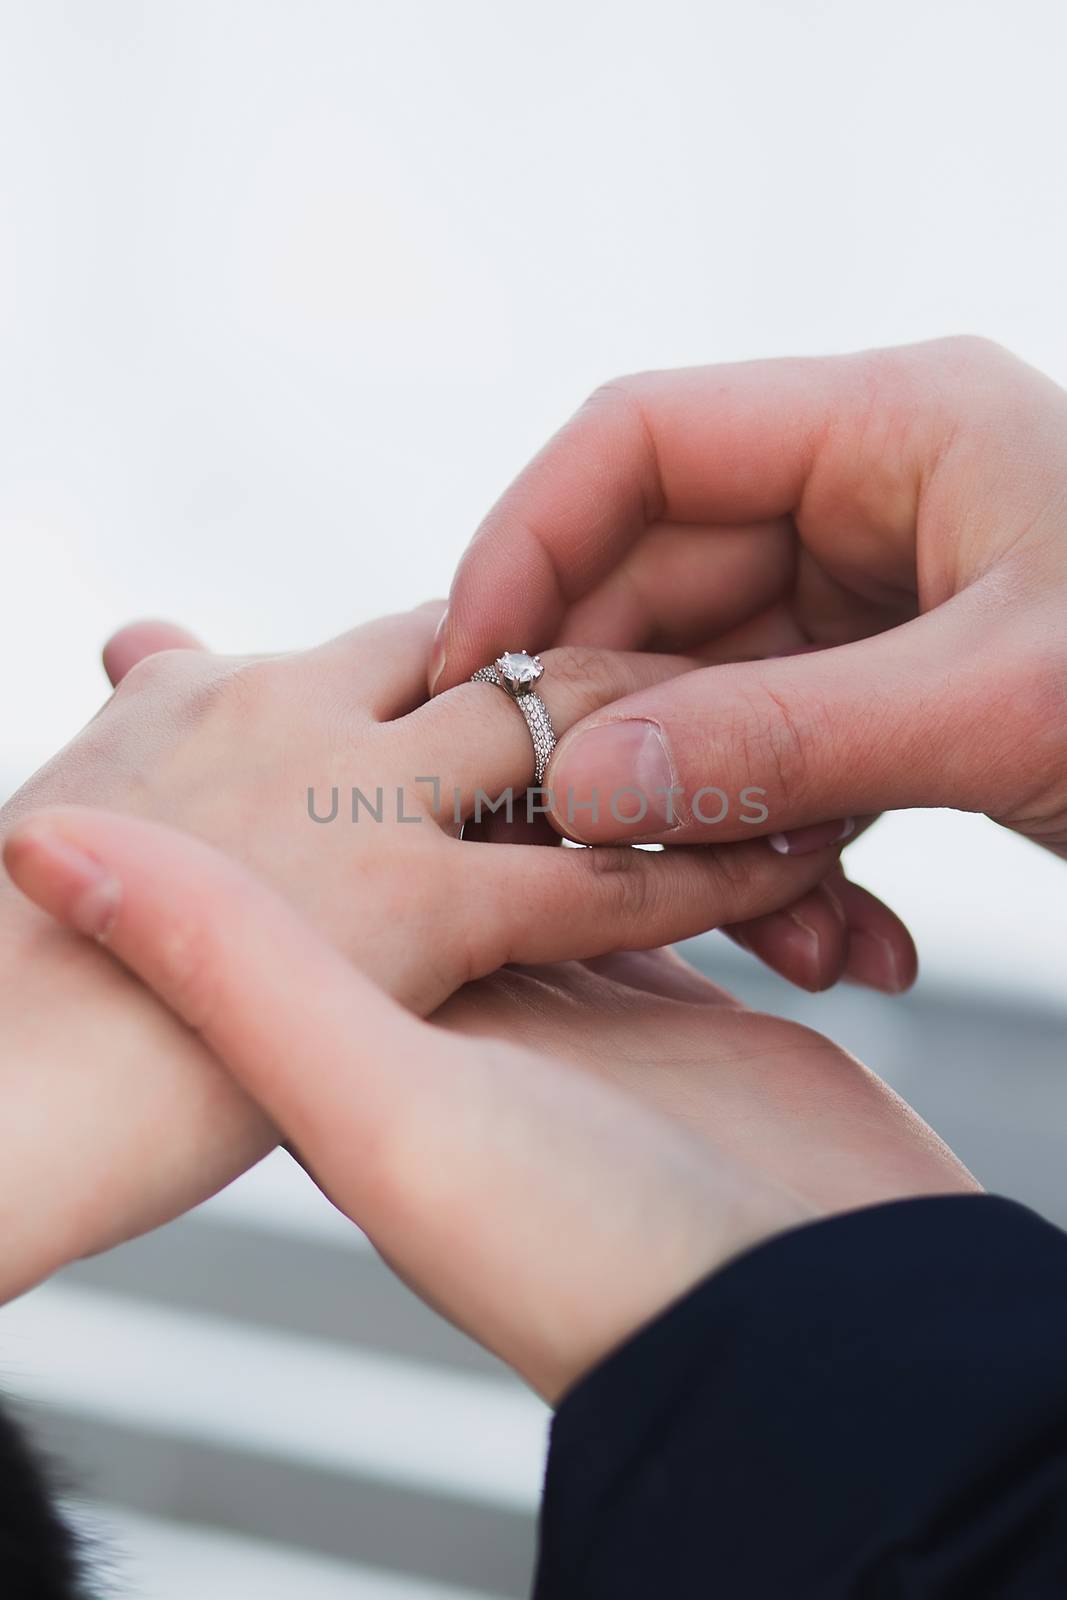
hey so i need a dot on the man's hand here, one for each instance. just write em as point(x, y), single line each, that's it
point(871, 553)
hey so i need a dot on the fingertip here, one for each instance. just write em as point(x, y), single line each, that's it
point(62, 877)
point(889, 965)
point(819, 836)
point(805, 943)
point(882, 953)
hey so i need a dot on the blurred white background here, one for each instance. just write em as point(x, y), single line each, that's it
point(288, 291)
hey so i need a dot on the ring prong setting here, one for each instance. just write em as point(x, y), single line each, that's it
point(520, 672)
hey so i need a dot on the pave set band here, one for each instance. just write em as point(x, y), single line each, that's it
point(518, 673)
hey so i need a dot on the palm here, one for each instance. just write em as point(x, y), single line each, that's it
point(783, 1099)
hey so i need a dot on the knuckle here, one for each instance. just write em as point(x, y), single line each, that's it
point(614, 394)
point(737, 871)
point(192, 684)
point(621, 402)
point(618, 410)
point(956, 354)
point(772, 742)
point(161, 672)
point(258, 677)
point(971, 349)
point(622, 881)
point(934, 383)
point(583, 670)
point(747, 880)
point(975, 384)
point(243, 691)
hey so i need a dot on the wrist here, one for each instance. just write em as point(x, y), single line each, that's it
point(116, 1117)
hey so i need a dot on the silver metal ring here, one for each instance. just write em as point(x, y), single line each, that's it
point(518, 673)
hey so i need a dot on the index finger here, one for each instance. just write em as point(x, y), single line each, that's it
point(700, 445)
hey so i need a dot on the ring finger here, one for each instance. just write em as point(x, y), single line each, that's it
point(477, 740)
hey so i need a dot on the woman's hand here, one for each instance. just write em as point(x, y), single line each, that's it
point(122, 1107)
point(872, 552)
point(257, 755)
point(548, 1213)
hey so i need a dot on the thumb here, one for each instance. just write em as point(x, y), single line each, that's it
point(729, 752)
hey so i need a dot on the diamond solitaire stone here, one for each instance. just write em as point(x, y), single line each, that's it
point(520, 671)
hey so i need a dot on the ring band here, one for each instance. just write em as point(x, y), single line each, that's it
point(517, 673)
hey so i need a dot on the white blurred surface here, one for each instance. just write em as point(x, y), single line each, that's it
point(277, 1195)
point(147, 1558)
point(275, 1394)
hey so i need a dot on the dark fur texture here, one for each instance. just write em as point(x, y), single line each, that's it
point(39, 1556)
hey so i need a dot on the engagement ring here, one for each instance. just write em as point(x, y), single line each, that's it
point(518, 673)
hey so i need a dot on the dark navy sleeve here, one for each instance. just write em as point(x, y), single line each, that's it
point(874, 1405)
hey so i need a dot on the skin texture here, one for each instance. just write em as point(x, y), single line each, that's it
point(836, 928)
point(867, 550)
point(615, 1180)
point(226, 749)
point(779, 1098)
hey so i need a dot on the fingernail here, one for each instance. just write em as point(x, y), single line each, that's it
point(804, 841)
point(437, 653)
point(64, 879)
point(611, 776)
